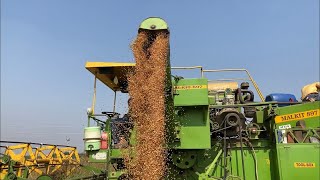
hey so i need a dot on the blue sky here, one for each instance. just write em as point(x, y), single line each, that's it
point(45, 88)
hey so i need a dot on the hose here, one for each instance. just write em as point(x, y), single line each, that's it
point(255, 158)
point(239, 95)
point(225, 152)
point(241, 148)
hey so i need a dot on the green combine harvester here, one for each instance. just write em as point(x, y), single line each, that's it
point(220, 129)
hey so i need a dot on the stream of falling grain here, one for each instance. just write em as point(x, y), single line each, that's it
point(147, 106)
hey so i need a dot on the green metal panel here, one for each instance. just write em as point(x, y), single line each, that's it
point(299, 159)
point(263, 163)
point(191, 92)
point(261, 151)
point(116, 153)
point(193, 129)
point(261, 114)
point(289, 115)
point(308, 157)
point(212, 100)
point(191, 123)
point(209, 163)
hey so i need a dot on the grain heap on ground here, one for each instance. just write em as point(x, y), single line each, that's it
point(147, 106)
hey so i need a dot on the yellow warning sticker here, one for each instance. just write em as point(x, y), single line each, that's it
point(304, 165)
point(297, 116)
point(188, 87)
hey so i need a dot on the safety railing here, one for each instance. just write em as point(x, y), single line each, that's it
point(203, 71)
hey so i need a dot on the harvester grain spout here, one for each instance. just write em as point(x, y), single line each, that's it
point(153, 27)
point(153, 24)
point(150, 90)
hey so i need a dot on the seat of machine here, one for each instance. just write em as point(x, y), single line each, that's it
point(223, 85)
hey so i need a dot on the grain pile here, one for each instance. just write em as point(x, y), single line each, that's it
point(147, 105)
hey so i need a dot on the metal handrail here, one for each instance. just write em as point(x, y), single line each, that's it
point(250, 78)
point(230, 79)
point(191, 67)
point(224, 70)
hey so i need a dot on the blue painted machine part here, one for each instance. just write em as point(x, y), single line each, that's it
point(281, 97)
